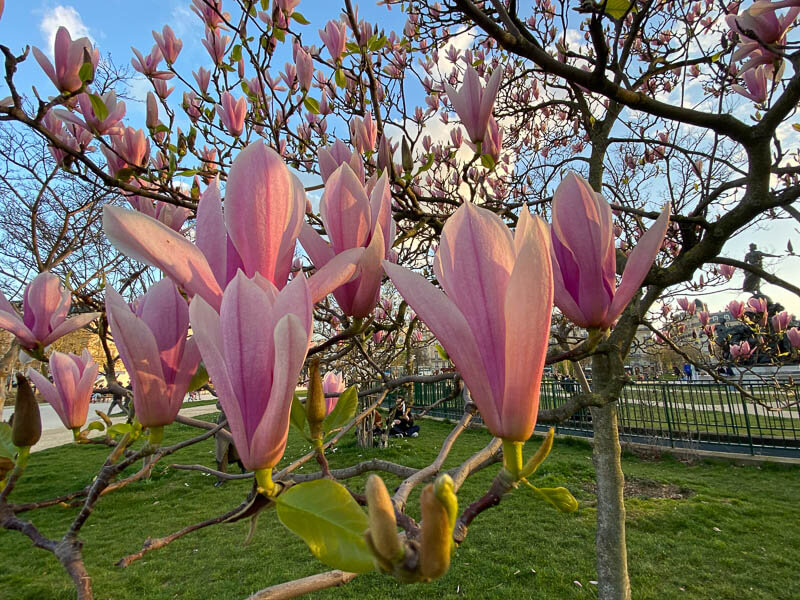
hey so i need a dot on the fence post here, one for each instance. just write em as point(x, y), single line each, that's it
point(665, 398)
point(747, 420)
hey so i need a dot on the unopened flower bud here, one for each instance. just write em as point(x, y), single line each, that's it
point(382, 524)
point(27, 427)
point(439, 505)
point(315, 405)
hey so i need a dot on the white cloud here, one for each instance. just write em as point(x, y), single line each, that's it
point(62, 16)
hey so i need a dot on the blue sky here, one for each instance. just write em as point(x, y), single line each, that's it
point(116, 25)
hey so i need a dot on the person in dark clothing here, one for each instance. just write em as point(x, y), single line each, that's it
point(403, 425)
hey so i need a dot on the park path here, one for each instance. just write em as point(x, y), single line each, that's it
point(55, 434)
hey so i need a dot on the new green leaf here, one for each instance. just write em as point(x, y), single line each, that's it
point(330, 522)
point(343, 411)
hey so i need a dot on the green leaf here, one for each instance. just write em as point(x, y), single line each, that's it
point(330, 522)
point(376, 43)
point(428, 164)
point(617, 8)
point(120, 429)
point(7, 448)
point(487, 161)
point(279, 34)
point(311, 105)
point(297, 416)
point(343, 411)
point(442, 352)
point(560, 498)
point(352, 47)
point(300, 18)
point(99, 107)
point(236, 53)
point(538, 458)
point(199, 379)
point(86, 72)
point(95, 426)
point(340, 78)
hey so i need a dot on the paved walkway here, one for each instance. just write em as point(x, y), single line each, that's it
point(55, 434)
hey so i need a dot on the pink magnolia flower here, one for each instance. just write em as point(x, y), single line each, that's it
point(727, 271)
point(45, 306)
point(794, 337)
point(152, 344)
point(756, 305)
point(332, 383)
point(334, 36)
point(781, 321)
point(263, 213)
point(168, 43)
point(151, 116)
point(305, 67)
point(216, 43)
point(148, 65)
point(333, 156)
point(203, 77)
point(69, 58)
point(353, 219)
point(254, 350)
point(71, 390)
point(703, 317)
point(736, 309)
point(210, 11)
point(493, 318)
point(686, 305)
point(132, 146)
point(755, 84)
point(232, 113)
point(584, 257)
point(364, 132)
point(473, 102)
point(110, 125)
point(761, 20)
point(741, 351)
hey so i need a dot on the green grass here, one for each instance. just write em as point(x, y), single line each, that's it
point(520, 549)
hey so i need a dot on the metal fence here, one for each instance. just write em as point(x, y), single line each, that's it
point(708, 416)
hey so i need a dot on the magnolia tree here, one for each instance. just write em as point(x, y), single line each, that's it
point(466, 164)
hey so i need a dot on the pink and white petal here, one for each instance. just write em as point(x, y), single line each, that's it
point(247, 346)
point(269, 441)
point(50, 394)
point(295, 299)
point(347, 215)
point(258, 203)
point(453, 331)
point(528, 307)
point(211, 233)
point(318, 250)
point(149, 241)
point(368, 284)
point(69, 325)
point(335, 273)
point(207, 332)
point(12, 323)
point(638, 265)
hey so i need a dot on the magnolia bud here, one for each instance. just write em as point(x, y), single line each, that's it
point(382, 533)
point(439, 505)
point(27, 427)
point(315, 404)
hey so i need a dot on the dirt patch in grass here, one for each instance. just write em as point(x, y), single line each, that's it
point(643, 488)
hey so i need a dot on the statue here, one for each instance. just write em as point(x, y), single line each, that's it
point(752, 282)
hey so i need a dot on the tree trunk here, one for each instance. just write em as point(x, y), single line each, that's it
point(6, 364)
point(612, 554)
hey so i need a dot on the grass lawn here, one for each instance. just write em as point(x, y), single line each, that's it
point(704, 531)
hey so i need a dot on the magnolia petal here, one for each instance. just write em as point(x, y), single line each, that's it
point(69, 325)
point(137, 348)
point(367, 287)
point(335, 273)
point(527, 309)
point(347, 214)
point(50, 394)
point(12, 323)
point(247, 346)
point(452, 329)
point(211, 233)
point(207, 331)
point(638, 265)
point(269, 440)
point(149, 241)
point(258, 203)
point(318, 250)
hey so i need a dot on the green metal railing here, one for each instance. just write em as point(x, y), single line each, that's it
point(680, 415)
